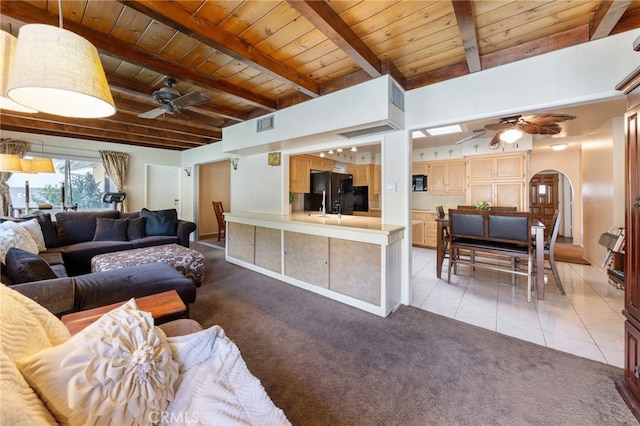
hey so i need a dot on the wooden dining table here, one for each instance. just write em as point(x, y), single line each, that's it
point(537, 232)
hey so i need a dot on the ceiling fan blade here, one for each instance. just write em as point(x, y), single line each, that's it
point(211, 121)
point(191, 99)
point(499, 126)
point(154, 113)
point(541, 129)
point(495, 140)
point(476, 134)
point(548, 118)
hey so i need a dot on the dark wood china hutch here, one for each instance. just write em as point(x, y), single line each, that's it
point(629, 386)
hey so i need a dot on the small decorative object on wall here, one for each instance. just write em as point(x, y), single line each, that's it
point(483, 205)
point(187, 170)
point(274, 159)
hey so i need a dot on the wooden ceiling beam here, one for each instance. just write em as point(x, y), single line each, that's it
point(26, 13)
point(606, 17)
point(174, 15)
point(37, 125)
point(114, 125)
point(537, 47)
point(465, 16)
point(325, 19)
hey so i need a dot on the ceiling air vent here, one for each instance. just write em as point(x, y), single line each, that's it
point(368, 131)
point(265, 123)
point(397, 97)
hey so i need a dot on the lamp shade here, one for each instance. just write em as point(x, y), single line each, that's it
point(58, 72)
point(7, 48)
point(42, 165)
point(10, 163)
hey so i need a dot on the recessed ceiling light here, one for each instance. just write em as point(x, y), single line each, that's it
point(559, 147)
point(445, 130)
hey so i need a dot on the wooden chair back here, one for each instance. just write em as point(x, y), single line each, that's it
point(219, 211)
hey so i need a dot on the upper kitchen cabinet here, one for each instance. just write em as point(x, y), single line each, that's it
point(498, 167)
point(321, 164)
point(361, 174)
point(447, 177)
point(299, 174)
point(498, 179)
point(420, 168)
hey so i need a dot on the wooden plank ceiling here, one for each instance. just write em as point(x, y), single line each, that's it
point(254, 57)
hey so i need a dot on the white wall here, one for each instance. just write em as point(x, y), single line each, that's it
point(567, 162)
point(139, 156)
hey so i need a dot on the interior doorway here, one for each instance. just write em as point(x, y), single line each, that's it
point(550, 190)
point(214, 184)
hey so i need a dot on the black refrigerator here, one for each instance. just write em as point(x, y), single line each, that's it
point(338, 190)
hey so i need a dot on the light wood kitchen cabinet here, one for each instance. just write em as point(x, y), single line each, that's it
point(420, 168)
point(299, 174)
point(499, 167)
point(506, 194)
point(377, 179)
point(447, 177)
point(322, 164)
point(425, 231)
point(498, 179)
point(361, 174)
point(375, 212)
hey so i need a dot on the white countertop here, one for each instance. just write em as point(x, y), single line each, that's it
point(363, 223)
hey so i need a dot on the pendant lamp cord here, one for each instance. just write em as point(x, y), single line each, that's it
point(60, 12)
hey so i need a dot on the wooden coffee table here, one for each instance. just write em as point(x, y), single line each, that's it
point(161, 306)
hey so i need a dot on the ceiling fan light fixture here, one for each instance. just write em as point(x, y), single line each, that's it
point(510, 135)
point(58, 72)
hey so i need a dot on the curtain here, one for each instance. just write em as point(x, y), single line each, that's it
point(116, 164)
point(9, 146)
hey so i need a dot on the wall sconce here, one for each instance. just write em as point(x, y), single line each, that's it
point(187, 170)
point(234, 163)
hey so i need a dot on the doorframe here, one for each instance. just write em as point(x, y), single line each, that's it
point(566, 196)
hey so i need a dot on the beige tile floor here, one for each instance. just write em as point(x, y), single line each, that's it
point(586, 322)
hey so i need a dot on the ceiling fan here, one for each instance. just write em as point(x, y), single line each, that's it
point(172, 101)
point(534, 124)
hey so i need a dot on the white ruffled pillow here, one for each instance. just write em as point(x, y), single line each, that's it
point(33, 228)
point(14, 235)
point(118, 370)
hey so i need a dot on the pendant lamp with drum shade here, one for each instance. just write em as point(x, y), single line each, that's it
point(7, 49)
point(58, 72)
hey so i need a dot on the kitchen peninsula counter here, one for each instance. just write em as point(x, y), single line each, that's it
point(352, 259)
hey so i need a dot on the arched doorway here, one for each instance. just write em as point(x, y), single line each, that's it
point(550, 190)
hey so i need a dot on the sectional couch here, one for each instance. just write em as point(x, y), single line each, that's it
point(58, 273)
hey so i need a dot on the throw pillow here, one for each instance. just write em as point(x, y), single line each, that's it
point(14, 235)
point(118, 370)
point(24, 267)
point(50, 235)
point(78, 227)
point(160, 222)
point(135, 229)
point(33, 228)
point(110, 229)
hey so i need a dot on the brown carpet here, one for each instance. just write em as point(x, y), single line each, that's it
point(325, 363)
point(569, 253)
